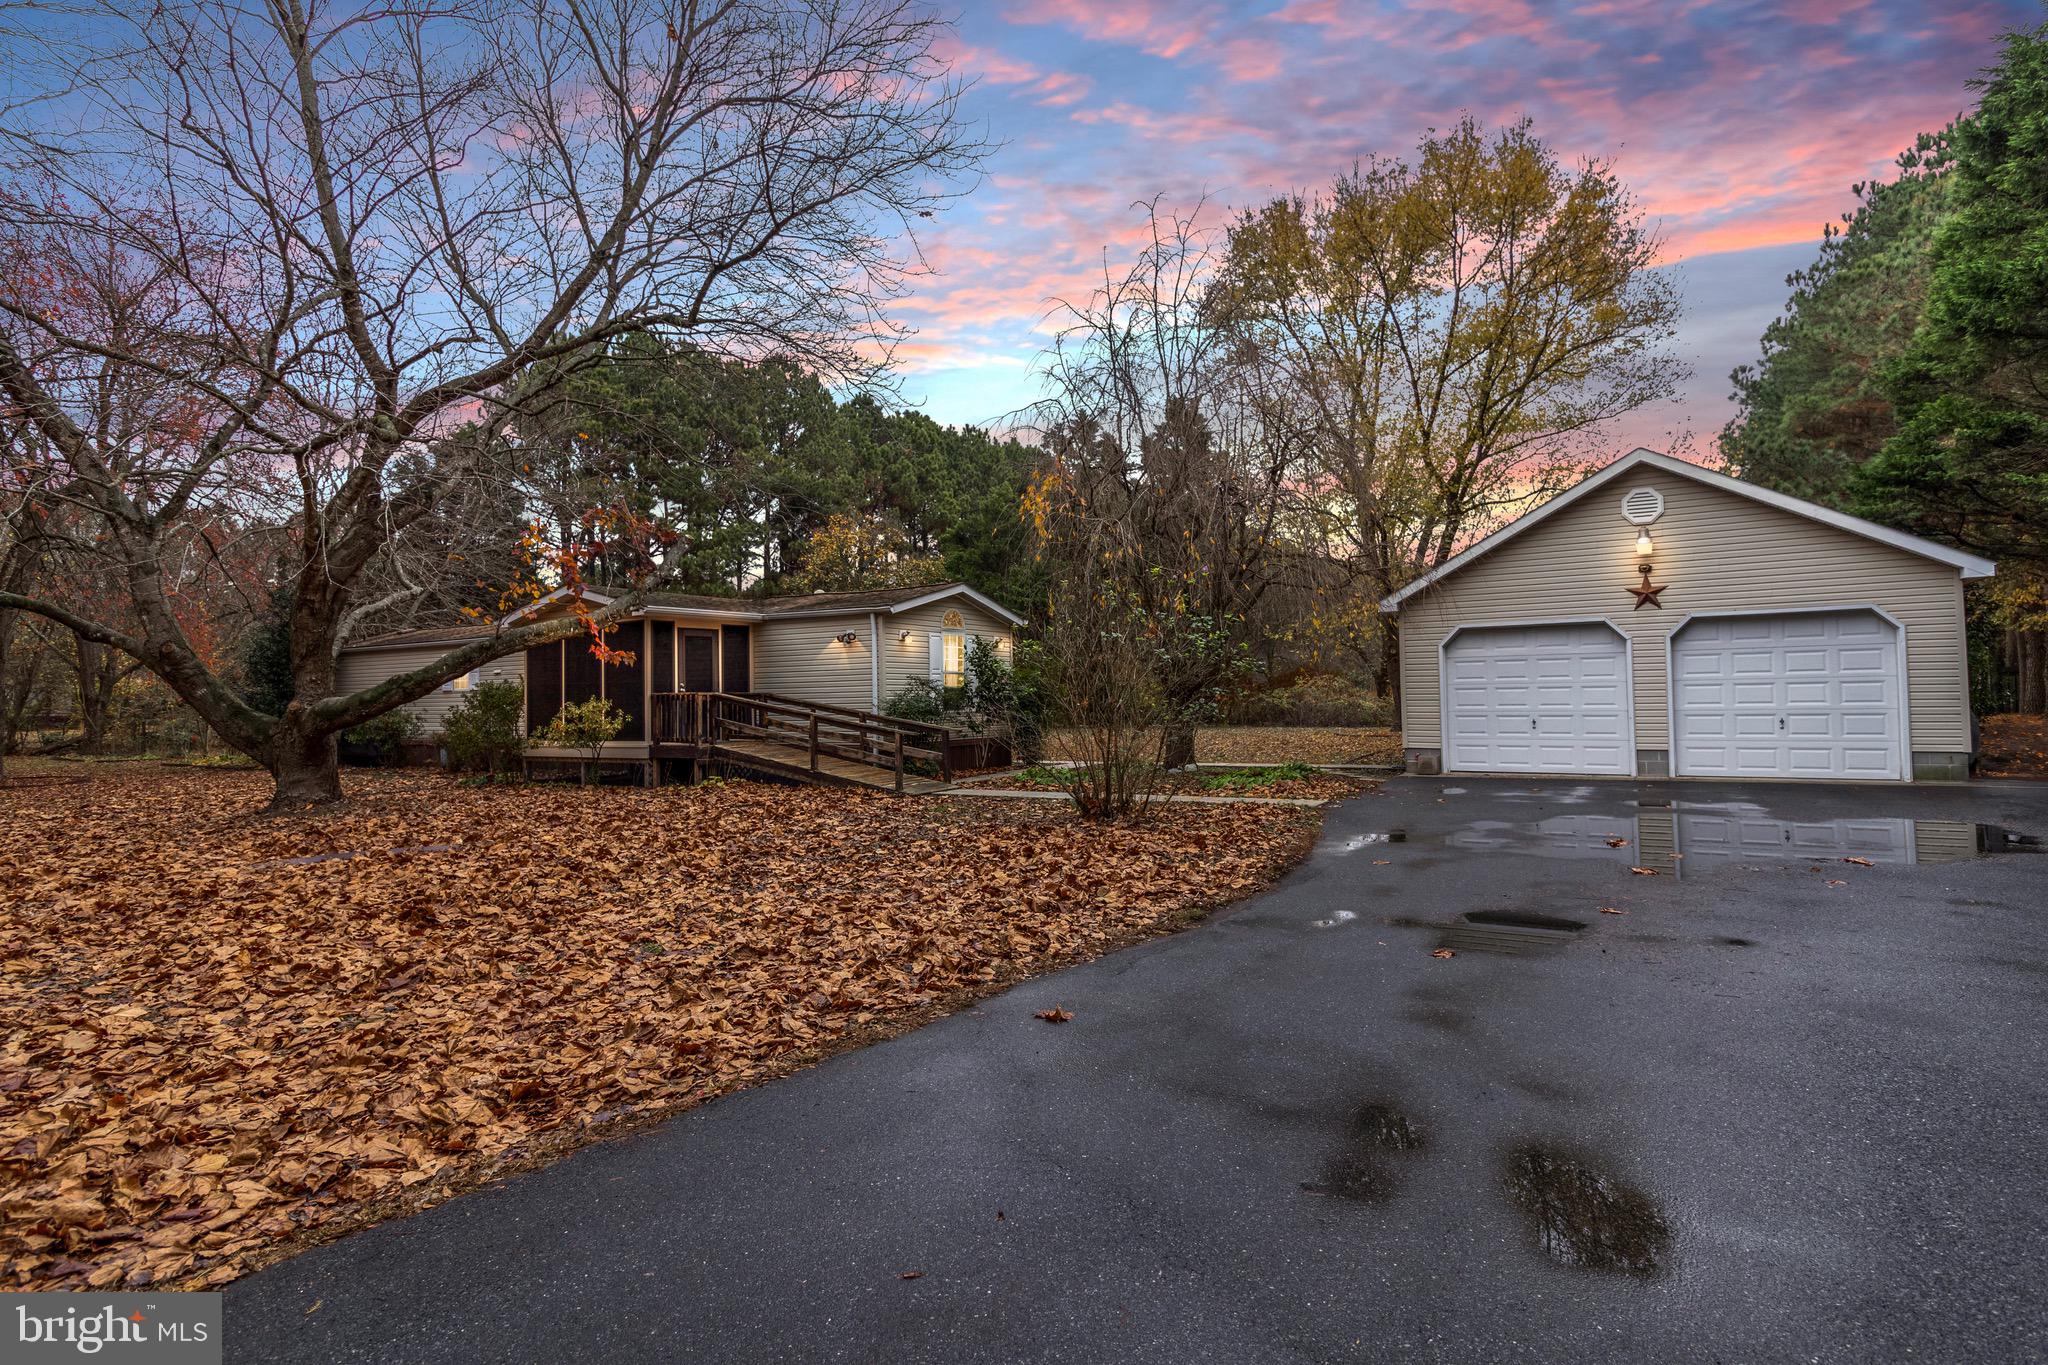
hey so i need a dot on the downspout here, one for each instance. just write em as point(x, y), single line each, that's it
point(875, 662)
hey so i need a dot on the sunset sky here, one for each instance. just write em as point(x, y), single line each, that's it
point(1740, 124)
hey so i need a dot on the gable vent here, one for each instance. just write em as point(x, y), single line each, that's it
point(1641, 506)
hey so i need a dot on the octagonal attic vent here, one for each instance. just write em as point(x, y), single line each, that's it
point(1641, 506)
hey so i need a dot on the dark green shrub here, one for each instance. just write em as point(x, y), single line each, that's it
point(483, 732)
point(919, 700)
point(381, 739)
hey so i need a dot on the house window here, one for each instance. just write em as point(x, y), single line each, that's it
point(953, 652)
point(469, 680)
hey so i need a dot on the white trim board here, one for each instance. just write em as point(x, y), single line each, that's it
point(1969, 565)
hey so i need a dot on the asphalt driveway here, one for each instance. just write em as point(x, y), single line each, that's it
point(1794, 1105)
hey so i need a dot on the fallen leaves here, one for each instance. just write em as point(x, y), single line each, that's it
point(1055, 1015)
point(219, 1034)
point(1612, 910)
point(1444, 954)
point(1616, 841)
point(1836, 882)
point(1860, 862)
point(1644, 871)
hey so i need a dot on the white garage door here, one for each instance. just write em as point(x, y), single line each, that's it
point(1788, 696)
point(1537, 699)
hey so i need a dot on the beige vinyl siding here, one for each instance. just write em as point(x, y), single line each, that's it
point(362, 668)
point(906, 658)
point(1719, 552)
point(800, 658)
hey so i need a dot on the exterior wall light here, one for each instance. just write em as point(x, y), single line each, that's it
point(848, 637)
point(1644, 547)
point(902, 637)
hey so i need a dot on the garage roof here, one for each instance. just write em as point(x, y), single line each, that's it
point(1969, 565)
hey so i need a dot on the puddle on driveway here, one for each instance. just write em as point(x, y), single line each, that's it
point(1357, 1172)
point(1496, 931)
point(1584, 1216)
point(1676, 838)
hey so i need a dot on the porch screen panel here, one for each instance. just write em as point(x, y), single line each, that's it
point(700, 661)
point(543, 684)
point(661, 654)
point(625, 683)
point(582, 676)
point(739, 669)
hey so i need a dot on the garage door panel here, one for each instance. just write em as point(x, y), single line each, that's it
point(1809, 695)
point(1537, 699)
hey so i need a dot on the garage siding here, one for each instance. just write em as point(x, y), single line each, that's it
point(1718, 551)
point(366, 668)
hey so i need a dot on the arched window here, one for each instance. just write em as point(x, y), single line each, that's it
point(953, 651)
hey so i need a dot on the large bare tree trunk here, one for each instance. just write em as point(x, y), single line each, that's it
point(305, 765)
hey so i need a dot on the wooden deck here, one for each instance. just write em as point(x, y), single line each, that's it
point(807, 741)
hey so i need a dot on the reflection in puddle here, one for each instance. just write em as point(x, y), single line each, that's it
point(1583, 1216)
point(1684, 838)
point(1357, 1173)
point(1509, 931)
point(1336, 918)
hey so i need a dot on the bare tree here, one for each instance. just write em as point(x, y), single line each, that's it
point(301, 246)
point(1166, 471)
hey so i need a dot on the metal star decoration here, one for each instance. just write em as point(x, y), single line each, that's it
point(1646, 595)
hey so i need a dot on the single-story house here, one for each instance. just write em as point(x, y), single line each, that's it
point(1660, 619)
point(851, 651)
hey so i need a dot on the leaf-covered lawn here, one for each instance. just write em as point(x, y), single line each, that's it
point(222, 1035)
point(2013, 746)
point(1293, 781)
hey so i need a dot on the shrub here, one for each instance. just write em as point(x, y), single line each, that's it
point(382, 738)
point(1316, 699)
point(584, 725)
point(919, 700)
point(483, 732)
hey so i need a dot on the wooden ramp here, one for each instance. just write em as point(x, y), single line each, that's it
point(794, 760)
point(803, 740)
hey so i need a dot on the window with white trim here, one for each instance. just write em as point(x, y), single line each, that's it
point(953, 651)
point(465, 683)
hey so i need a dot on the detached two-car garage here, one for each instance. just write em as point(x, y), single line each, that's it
point(1689, 624)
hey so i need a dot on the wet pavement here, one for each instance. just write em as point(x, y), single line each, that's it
point(1764, 1080)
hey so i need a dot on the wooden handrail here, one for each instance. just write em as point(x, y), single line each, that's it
point(859, 736)
point(894, 722)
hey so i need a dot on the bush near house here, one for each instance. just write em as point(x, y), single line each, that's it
point(483, 732)
point(996, 700)
point(585, 725)
point(380, 741)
